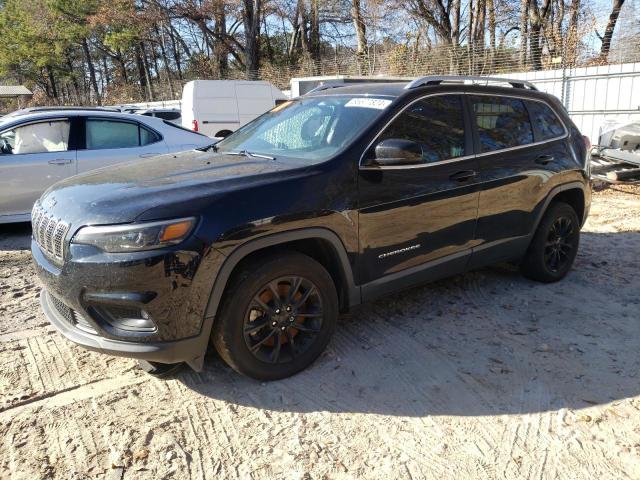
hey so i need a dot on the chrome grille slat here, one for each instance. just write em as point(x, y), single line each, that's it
point(49, 233)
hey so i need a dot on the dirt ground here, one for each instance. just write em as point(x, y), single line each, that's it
point(485, 375)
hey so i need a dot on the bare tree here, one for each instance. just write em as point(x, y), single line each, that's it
point(611, 25)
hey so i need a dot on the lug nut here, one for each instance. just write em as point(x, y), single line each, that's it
point(278, 311)
point(283, 328)
point(288, 308)
point(274, 324)
point(291, 319)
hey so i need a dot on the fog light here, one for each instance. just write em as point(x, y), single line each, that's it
point(130, 319)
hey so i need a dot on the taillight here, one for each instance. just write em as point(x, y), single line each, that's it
point(194, 125)
point(587, 160)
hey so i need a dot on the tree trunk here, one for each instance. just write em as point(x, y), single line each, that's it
point(147, 72)
point(221, 51)
point(176, 53)
point(295, 30)
point(165, 60)
point(252, 10)
point(52, 84)
point(571, 43)
point(611, 25)
point(470, 37)
point(537, 18)
point(524, 32)
point(492, 32)
point(314, 35)
point(361, 34)
point(92, 70)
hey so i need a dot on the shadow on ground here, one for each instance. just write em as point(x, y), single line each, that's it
point(486, 343)
point(15, 236)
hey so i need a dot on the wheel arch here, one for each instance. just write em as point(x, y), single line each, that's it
point(571, 193)
point(321, 244)
point(223, 133)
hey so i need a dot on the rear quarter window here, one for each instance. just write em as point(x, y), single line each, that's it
point(545, 120)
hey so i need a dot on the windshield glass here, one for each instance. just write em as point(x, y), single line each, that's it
point(312, 129)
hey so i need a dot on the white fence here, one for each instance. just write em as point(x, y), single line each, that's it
point(597, 98)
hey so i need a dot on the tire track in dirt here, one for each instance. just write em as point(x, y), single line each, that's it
point(70, 395)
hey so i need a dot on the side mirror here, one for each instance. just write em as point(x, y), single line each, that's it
point(395, 151)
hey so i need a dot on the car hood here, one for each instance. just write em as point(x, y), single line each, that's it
point(124, 192)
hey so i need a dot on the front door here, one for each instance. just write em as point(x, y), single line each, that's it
point(417, 216)
point(33, 157)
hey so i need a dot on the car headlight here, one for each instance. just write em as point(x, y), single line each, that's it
point(135, 237)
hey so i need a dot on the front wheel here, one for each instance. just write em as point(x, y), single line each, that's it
point(554, 246)
point(277, 316)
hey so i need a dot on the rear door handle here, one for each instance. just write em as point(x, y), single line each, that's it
point(544, 159)
point(60, 161)
point(463, 176)
point(147, 155)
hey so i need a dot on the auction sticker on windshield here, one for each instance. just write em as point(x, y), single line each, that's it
point(377, 103)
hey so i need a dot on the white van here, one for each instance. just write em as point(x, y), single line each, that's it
point(218, 107)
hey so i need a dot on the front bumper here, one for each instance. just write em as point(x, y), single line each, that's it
point(171, 286)
point(189, 350)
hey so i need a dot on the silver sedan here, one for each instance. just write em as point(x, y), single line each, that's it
point(40, 149)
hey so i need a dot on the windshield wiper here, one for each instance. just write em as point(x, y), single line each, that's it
point(246, 153)
point(211, 147)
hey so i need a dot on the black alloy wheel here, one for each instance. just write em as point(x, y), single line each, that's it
point(560, 244)
point(554, 245)
point(277, 315)
point(283, 319)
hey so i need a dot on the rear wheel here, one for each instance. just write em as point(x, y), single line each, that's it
point(277, 316)
point(554, 245)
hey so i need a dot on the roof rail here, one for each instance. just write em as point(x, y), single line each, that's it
point(438, 79)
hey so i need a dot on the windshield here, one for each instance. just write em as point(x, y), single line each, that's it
point(312, 129)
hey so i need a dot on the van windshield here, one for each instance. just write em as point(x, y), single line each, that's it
point(312, 129)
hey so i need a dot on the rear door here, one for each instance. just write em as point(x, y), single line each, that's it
point(34, 156)
point(108, 141)
point(411, 216)
point(514, 163)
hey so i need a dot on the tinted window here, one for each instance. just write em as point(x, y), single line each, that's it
point(502, 122)
point(51, 136)
point(436, 123)
point(101, 134)
point(547, 122)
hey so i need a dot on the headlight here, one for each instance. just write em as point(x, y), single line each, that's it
point(136, 237)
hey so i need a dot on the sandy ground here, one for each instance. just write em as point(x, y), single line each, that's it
point(485, 375)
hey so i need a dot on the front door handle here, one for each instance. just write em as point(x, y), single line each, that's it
point(60, 161)
point(463, 176)
point(147, 155)
point(544, 159)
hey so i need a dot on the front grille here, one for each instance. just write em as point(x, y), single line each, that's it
point(72, 316)
point(49, 232)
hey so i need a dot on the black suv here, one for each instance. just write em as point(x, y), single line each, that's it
point(341, 196)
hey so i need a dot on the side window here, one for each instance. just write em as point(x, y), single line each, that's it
point(147, 136)
point(502, 122)
point(103, 134)
point(547, 122)
point(51, 136)
point(436, 123)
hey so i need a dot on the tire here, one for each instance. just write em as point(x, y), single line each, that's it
point(257, 336)
point(554, 246)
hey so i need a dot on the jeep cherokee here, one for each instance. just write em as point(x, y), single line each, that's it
point(257, 243)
